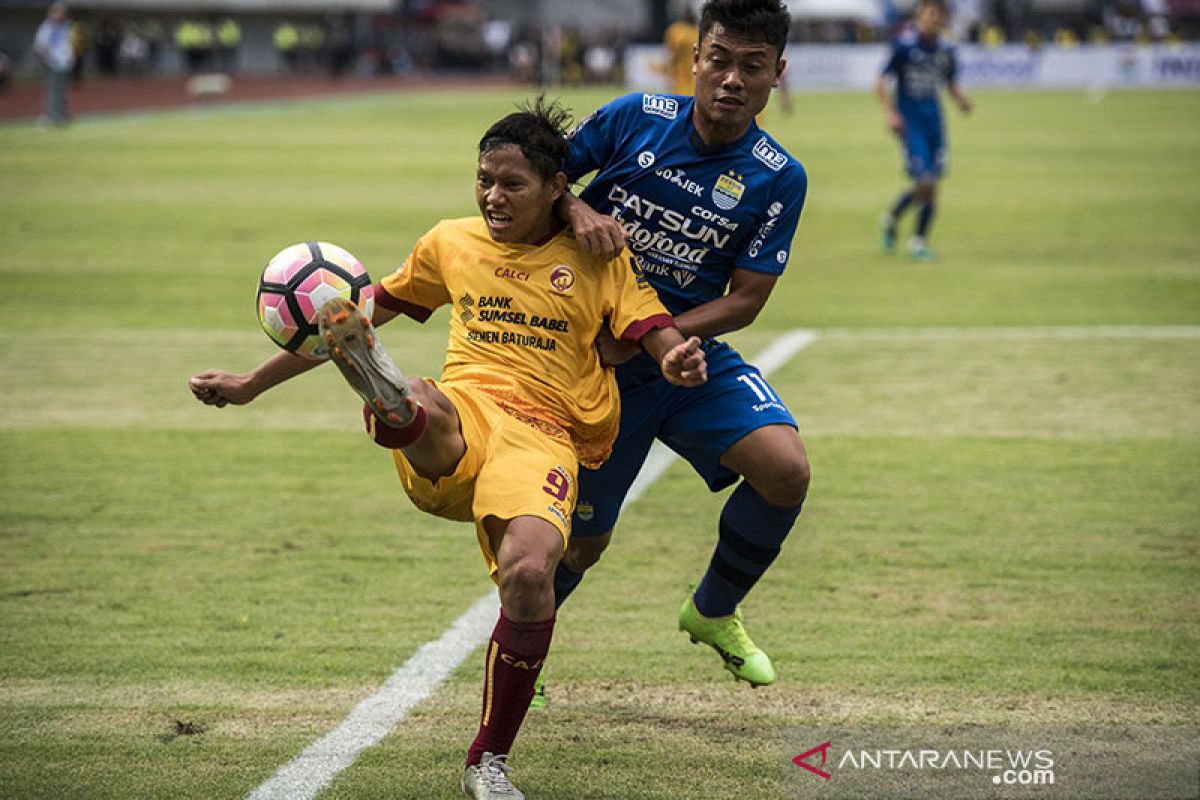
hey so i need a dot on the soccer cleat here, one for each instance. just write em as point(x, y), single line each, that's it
point(354, 347)
point(728, 637)
point(488, 780)
point(539, 700)
point(918, 250)
point(887, 233)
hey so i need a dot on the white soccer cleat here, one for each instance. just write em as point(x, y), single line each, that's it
point(358, 354)
point(488, 780)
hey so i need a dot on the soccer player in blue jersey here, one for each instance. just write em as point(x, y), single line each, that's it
point(709, 202)
point(920, 62)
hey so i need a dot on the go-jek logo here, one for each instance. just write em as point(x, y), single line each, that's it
point(801, 760)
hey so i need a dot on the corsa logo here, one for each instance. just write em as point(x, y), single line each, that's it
point(519, 664)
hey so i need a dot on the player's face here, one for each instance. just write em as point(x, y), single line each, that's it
point(930, 20)
point(734, 79)
point(516, 202)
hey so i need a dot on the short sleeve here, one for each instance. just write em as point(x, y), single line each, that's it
point(418, 287)
point(892, 66)
point(768, 251)
point(636, 309)
point(594, 140)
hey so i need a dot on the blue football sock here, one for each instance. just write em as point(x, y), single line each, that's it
point(924, 217)
point(901, 205)
point(752, 531)
point(565, 582)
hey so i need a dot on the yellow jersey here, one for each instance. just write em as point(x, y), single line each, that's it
point(678, 41)
point(524, 321)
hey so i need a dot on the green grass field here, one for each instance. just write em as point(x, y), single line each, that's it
point(1003, 527)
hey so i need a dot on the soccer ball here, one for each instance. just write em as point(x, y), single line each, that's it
point(300, 279)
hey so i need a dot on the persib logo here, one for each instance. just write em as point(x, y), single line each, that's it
point(659, 106)
point(728, 191)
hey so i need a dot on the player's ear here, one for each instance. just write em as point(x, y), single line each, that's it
point(558, 185)
point(780, 66)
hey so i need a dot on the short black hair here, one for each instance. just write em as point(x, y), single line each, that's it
point(941, 5)
point(752, 20)
point(540, 130)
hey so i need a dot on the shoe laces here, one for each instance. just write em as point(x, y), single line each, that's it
point(732, 635)
point(493, 771)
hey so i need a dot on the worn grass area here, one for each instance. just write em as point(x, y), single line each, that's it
point(1002, 528)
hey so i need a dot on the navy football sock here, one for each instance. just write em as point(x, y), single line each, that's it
point(565, 582)
point(924, 216)
point(752, 531)
point(901, 206)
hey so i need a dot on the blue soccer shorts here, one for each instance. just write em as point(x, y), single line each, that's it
point(699, 424)
point(924, 150)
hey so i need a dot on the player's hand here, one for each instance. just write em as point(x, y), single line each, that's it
point(895, 123)
point(684, 364)
point(598, 234)
point(216, 388)
point(964, 104)
point(612, 350)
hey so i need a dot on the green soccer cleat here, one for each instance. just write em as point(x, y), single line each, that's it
point(539, 700)
point(887, 233)
point(728, 637)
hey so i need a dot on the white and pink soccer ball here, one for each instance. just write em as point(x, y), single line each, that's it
point(300, 279)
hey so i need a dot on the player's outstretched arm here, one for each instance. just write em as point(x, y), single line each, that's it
point(218, 388)
point(598, 234)
point(682, 361)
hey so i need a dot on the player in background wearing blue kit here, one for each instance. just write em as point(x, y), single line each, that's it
point(920, 62)
point(709, 202)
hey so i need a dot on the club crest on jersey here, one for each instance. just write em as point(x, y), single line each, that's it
point(768, 155)
point(562, 279)
point(728, 191)
point(659, 106)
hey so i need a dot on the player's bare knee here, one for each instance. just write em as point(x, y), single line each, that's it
point(531, 571)
point(785, 483)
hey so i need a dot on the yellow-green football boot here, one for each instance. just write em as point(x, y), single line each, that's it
point(728, 637)
point(539, 700)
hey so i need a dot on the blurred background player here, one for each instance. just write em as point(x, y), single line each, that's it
point(523, 398)
point(921, 61)
point(709, 202)
point(679, 44)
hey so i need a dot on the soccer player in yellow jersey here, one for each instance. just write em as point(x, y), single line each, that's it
point(522, 401)
point(679, 43)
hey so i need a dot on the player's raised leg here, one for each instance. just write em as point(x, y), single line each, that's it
point(526, 548)
point(404, 413)
point(756, 519)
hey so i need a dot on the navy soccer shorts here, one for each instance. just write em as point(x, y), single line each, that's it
point(924, 149)
point(699, 424)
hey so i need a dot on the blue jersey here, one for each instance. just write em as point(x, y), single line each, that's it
point(920, 67)
point(693, 213)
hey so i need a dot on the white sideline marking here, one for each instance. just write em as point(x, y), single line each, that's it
point(1015, 334)
point(307, 774)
